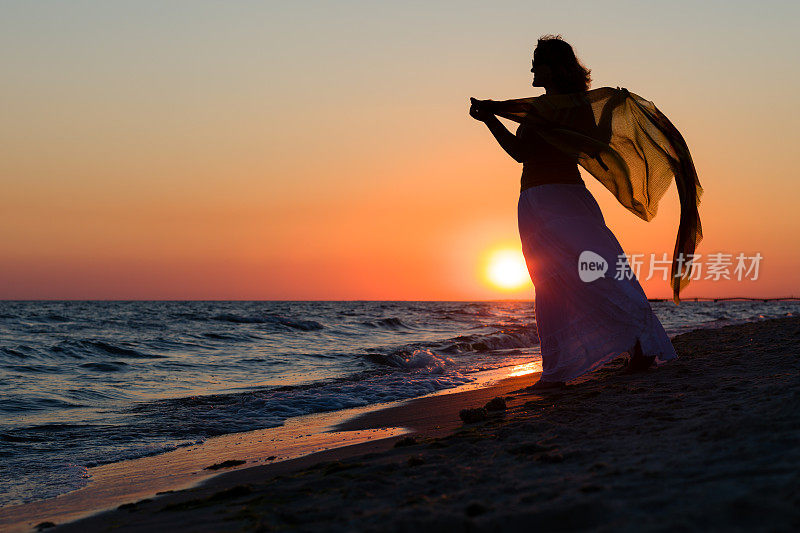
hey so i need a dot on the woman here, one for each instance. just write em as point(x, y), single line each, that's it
point(581, 324)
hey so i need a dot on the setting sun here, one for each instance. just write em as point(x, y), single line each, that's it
point(506, 269)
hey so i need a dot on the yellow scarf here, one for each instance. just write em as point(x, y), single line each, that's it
point(629, 146)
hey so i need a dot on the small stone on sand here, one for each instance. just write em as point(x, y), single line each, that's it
point(470, 416)
point(496, 404)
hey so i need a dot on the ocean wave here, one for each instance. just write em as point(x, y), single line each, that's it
point(36, 369)
point(264, 360)
point(510, 337)
point(504, 339)
point(436, 357)
point(94, 395)
point(57, 427)
point(16, 353)
point(141, 451)
point(18, 439)
point(422, 359)
point(272, 319)
point(53, 317)
point(80, 349)
point(210, 415)
point(164, 343)
point(388, 323)
point(108, 366)
point(229, 337)
point(470, 310)
point(17, 405)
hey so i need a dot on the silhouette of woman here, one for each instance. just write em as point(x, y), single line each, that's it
point(581, 324)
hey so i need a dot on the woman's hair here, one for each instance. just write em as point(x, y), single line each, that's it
point(569, 75)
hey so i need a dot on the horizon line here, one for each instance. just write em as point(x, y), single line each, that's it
point(694, 298)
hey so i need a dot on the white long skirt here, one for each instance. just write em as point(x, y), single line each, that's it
point(582, 324)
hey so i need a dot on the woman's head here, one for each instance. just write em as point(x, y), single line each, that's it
point(555, 65)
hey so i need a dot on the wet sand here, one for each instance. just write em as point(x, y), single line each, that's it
point(708, 441)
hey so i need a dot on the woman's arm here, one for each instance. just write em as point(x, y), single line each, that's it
point(507, 140)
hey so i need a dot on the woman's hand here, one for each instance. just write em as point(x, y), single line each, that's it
point(479, 111)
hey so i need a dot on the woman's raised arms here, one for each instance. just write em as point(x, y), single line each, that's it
point(479, 110)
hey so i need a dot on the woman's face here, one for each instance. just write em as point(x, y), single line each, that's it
point(541, 73)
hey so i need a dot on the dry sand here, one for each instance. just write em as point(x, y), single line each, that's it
point(708, 441)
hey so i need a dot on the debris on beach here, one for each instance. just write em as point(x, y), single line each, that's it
point(225, 464)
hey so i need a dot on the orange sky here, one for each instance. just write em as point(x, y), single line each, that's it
point(218, 151)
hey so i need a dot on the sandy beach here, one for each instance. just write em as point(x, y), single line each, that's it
point(709, 441)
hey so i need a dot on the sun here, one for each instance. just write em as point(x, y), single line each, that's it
point(506, 269)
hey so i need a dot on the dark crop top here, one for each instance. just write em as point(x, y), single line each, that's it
point(544, 163)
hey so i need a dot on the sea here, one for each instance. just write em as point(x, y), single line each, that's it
point(85, 383)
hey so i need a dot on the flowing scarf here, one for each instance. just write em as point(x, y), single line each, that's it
point(630, 147)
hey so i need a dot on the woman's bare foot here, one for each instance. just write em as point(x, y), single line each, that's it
point(638, 362)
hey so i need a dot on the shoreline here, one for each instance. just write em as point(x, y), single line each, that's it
point(299, 442)
point(430, 418)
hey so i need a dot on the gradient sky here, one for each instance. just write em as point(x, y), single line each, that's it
point(276, 150)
